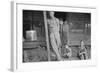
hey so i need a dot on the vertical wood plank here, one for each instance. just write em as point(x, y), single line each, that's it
point(47, 37)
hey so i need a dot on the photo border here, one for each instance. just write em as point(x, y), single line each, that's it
point(16, 61)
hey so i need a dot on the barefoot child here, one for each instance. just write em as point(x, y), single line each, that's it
point(66, 51)
point(83, 51)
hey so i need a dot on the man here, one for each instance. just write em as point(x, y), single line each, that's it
point(53, 24)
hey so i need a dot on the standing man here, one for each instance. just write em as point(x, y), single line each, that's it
point(53, 24)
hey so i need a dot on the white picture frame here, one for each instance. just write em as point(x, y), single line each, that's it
point(16, 59)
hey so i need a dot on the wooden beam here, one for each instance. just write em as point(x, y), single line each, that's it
point(47, 37)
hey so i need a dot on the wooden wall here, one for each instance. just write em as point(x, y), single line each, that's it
point(32, 20)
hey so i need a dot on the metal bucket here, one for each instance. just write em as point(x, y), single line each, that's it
point(31, 35)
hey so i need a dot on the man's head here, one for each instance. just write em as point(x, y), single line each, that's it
point(51, 13)
point(66, 22)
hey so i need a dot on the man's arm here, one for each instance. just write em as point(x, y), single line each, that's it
point(58, 24)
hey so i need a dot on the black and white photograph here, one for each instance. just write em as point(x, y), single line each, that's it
point(52, 36)
point(55, 36)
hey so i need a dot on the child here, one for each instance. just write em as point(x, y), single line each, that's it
point(65, 32)
point(67, 53)
point(83, 51)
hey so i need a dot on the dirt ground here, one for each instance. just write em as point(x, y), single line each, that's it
point(40, 55)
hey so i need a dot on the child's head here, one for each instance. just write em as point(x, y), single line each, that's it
point(61, 21)
point(82, 44)
point(66, 46)
point(66, 22)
